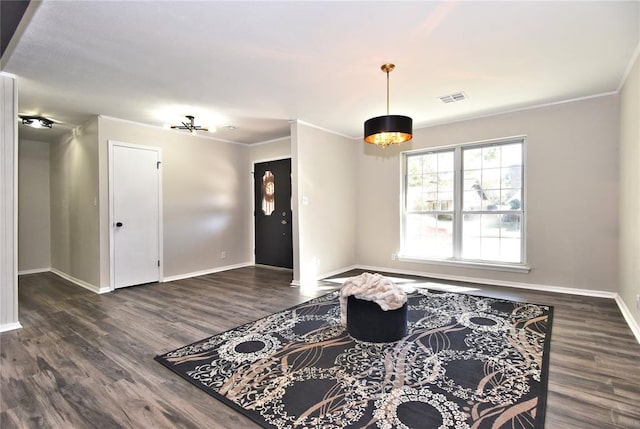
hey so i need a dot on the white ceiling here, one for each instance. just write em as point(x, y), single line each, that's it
point(258, 65)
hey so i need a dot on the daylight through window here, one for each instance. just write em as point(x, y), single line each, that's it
point(465, 203)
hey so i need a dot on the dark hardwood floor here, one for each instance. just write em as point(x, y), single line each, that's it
point(86, 361)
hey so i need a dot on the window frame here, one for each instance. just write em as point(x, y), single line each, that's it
point(458, 211)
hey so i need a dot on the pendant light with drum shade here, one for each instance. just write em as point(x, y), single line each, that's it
point(388, 129)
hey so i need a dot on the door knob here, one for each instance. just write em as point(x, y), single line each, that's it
point(118, 224)
point(284, 222)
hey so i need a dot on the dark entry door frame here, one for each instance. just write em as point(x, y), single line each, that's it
point(272, 213)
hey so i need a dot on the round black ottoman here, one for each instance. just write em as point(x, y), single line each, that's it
point(366, 321)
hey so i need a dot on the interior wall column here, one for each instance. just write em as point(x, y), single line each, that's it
point(8, 202)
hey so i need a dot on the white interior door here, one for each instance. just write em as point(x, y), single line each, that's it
point(135, 214)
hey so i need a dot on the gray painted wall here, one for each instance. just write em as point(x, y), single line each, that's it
point(277, 149)
point(630, 191)
point(325, 200)
point(34, 228)
point(572, 194)
point(206, 208)
point(75, 230)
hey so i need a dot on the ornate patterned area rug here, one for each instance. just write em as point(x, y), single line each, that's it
point(467, 362)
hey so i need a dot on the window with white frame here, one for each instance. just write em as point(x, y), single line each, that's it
point(465, 203)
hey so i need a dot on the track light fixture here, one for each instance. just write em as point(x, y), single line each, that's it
point(36, 121)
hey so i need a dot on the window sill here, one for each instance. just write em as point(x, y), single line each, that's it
point(467, 264)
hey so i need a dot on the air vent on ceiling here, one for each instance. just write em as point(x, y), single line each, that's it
point(452, 98)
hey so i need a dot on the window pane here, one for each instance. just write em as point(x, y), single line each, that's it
point(471, 200)
point(414, 181)
point(414, 165)
point(492, 237)
point(492, 202)
point(472, 159)
point(472, 179)
point(471, 248)
point(511, 199)
point(414, 191)
point(471, 225)
point(268, 193)
point(490, 249)
point(510, 225)
point(429, 201)
point(490, 225)
point(430, 183)
point(491, 157)
point(445, 161)
point(511, 155)
point(445, 201)
point(430, 163)
point(491, 178)
point(445, 181)
point(498, 182)
point(429, 235)
point(510, 250)
point(414, 200)
point(511, 177)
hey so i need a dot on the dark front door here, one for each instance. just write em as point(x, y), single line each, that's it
point(272, 189)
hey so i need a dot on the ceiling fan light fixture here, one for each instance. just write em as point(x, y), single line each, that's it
point(190, 126)
point(388, 129)
point(36, 121)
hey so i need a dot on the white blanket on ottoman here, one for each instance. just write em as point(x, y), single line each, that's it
point(371, 287)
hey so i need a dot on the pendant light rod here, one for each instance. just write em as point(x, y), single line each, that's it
point(387, 93)
point(387, 68)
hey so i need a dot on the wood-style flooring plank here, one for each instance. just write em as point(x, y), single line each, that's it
point(86, 361)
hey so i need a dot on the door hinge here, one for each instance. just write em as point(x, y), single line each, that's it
point(158, 165)
point(158, 262)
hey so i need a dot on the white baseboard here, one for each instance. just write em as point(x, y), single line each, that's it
point(10, 326)
point(205, 272)
point(34, 271)
point(633, 324)
point(270, 267)
point(335, 272)
point(626, 313)
point(492, 282)
point(322, 276)
point(93, 288)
